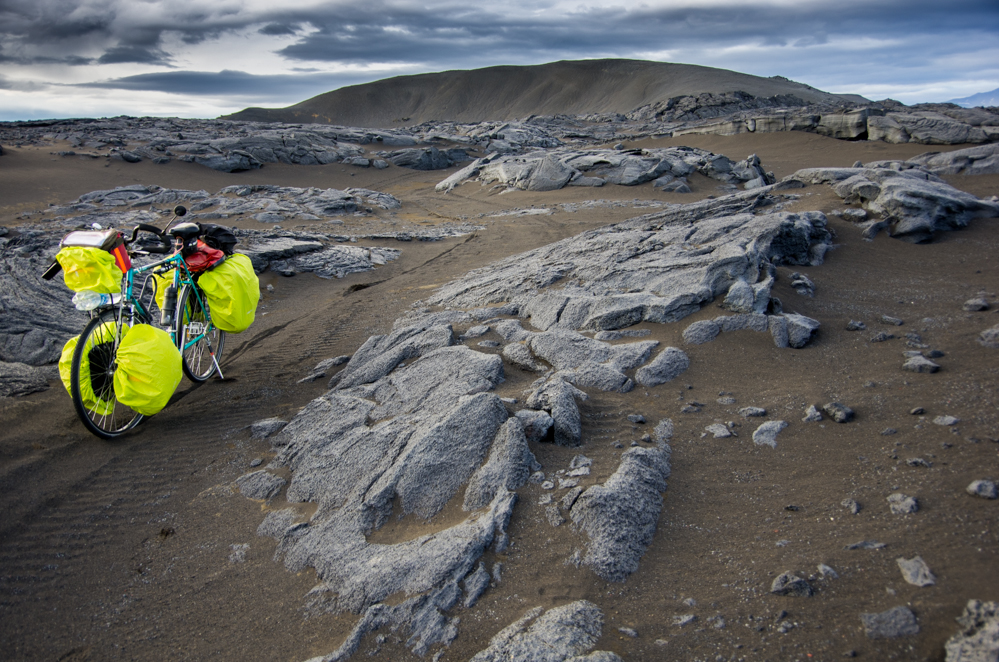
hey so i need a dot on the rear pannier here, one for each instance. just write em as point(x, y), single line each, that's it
point(232, 290)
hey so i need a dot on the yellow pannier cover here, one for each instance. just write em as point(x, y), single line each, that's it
point(87, 268)
point(148, 369)
point(233, 291)
point(103, 333)
point(162, 281)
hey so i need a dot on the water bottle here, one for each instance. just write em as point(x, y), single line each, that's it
point(169, 304)
point(87, 300)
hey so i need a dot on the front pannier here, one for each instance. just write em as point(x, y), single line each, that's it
point(92, 378)
point(93, 260)
point(232, 290)
point(149, 369)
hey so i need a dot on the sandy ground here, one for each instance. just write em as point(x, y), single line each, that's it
point(124, 549)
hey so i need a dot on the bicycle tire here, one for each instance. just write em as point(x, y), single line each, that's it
point(94, 365)
point(193, 319)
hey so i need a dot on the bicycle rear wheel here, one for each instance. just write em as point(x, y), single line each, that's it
point(92, 380)
point(200, 342)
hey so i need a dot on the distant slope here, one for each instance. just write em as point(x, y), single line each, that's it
point(511, 92)
point(986, 99)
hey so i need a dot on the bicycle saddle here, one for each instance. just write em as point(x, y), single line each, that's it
point(185, 231)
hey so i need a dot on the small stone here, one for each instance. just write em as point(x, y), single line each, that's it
point(812, 415)
point(238, 553)
point(866, 544)
point(946, 420)
point(537, 477)
point(920, 364)
point(636, 418)
point(827, 572)
point(565, 483)
point(791, 585)
point(894, 321)
point(266, 427)
point(748, 412)
point(917, 411)
point(918, 462)
point(890, 624)
point(915, 571)
point(901, 504)
point(690, 409)
point(766, 434)
point(935, 354)
point(851, 505)
point(976, 304)
point(838, 412)
point(887, 432)
point(719, 431)
point(256, 462)
point(685, 619)
point(854, 325)
point(554, 516)
point(628, 631)
point(690, 602)
point(545, 499)
point(548, 485)
point(983, 488)
point(580, 461)
point(488, 343)
point(728, 400)
point(882, 336)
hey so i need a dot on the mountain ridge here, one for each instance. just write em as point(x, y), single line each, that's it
point(502, 93)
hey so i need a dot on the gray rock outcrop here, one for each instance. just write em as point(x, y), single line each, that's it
point(912, 201)
point(552, 169)
point(556, 635)
point(620, 516)
point(21, 379)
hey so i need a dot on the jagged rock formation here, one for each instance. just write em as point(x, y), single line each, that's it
point(548, 170)
point(659, 268)
point(912, 202)
point(412, 419)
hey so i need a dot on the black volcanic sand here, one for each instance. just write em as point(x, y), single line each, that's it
point(121, 550)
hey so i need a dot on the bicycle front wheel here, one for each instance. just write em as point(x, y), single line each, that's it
point(95, 361)
point(200, 342)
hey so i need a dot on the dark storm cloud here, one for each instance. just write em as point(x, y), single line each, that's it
point(398, 32)
point(134, 54)
point(279, 29)
point(231, 83)
point(851, 42)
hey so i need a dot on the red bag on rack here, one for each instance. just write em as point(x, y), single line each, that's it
point(203, 258)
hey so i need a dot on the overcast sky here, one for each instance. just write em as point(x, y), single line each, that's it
point(204, 58)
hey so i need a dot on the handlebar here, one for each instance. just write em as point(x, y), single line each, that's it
point(166, 246)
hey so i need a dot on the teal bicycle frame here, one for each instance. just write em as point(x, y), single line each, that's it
point(181, 277)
